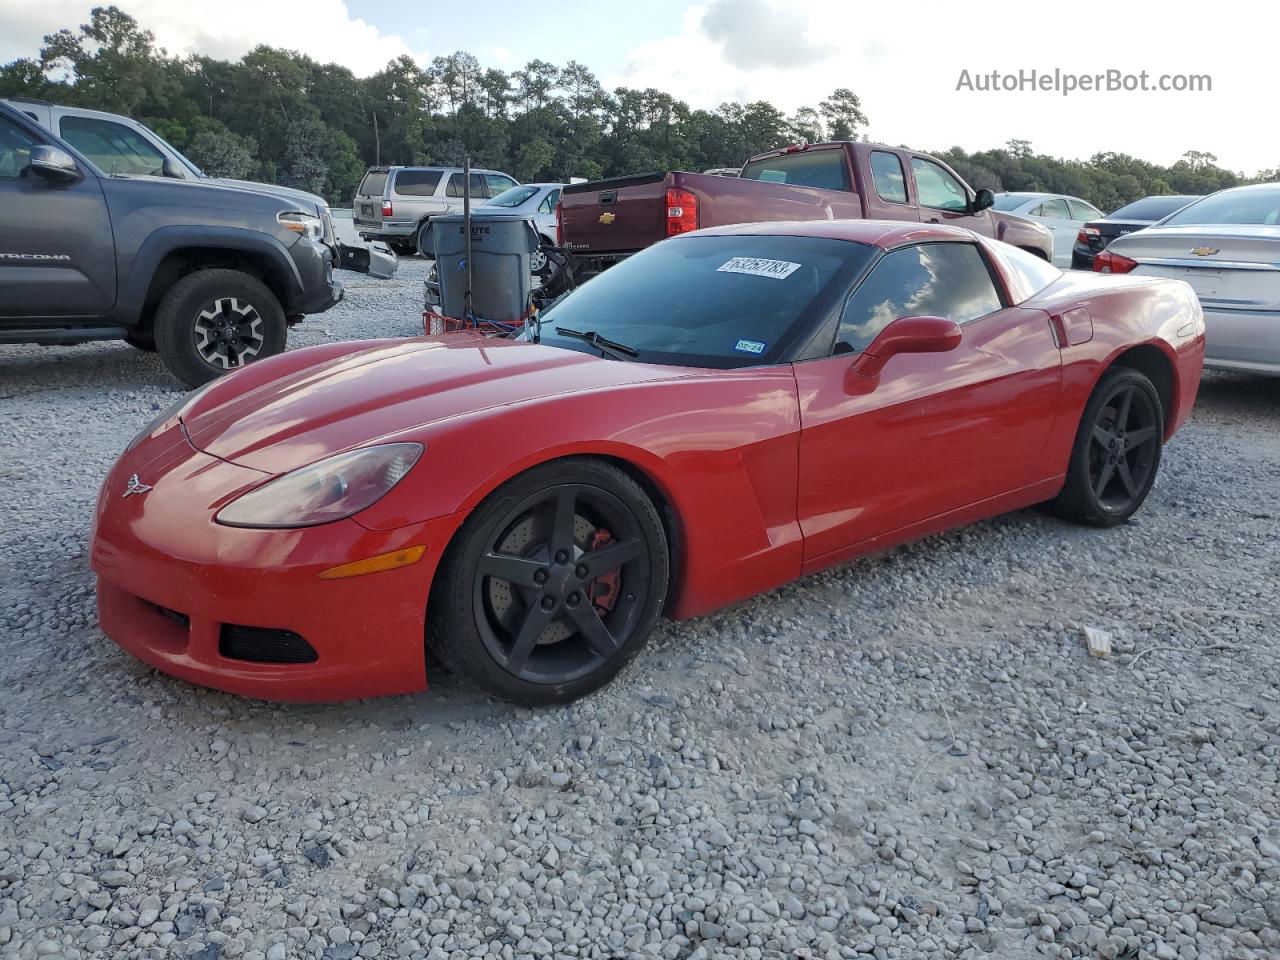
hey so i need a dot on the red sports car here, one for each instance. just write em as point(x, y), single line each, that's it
point(722, 413)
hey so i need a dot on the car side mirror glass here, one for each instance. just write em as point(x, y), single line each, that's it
point(907, 335)
point(171, 168)
point(982, 200)
point(52, 163)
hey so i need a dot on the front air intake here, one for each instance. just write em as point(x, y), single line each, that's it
point(264, 645)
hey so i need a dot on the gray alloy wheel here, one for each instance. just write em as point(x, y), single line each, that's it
point(228, 332)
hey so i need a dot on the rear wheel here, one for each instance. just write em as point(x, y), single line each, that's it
point(553, 584)
point(212, 322)
point(1117, 451)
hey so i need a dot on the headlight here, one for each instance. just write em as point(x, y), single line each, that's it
point(167, 414)
point(311, 227)
point(329, 490)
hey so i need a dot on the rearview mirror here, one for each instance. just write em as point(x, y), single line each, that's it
point(981, 200)
point(50, 163)
point(907, 335)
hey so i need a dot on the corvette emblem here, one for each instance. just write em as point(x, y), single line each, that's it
point(608, 218)
point(134, 486)
point(1204, 251)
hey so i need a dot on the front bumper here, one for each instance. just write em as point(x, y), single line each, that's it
point(319, 290)
point(171, 582)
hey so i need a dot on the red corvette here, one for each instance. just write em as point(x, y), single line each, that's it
point(724, 412)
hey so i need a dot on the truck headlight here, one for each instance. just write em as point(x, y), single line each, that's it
point(310, 226)
point(325, 491)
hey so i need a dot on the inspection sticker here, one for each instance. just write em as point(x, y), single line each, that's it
point(777, 269)
point(750, 346)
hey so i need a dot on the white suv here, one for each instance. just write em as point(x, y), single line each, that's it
point(393, 203)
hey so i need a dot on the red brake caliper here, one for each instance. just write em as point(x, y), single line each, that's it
point(604, 589)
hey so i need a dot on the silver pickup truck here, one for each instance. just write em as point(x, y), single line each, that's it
point(392, 204)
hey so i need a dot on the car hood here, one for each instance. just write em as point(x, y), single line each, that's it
point(387, 390)
point(309, 200)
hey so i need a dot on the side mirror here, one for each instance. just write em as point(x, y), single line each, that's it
point(981, 200)
point(907, 335)
point(50, 163)
point(171, 168)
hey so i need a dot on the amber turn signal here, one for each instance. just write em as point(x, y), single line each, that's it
point(403, 557)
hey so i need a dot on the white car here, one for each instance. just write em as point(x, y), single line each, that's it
point(1063, 215)
point(1227, 246)
point(537, 201)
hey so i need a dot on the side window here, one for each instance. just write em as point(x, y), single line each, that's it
point(827, 169)
point(455, 185)
point(477, 186)
point(115, 148)
point(1082, 211)
point(888, 176)
point(937, 188)
point(931, 279)
point(15, 148)
point(497, 183)
point(548, 204)
point(417, 183)
point(1055, 209)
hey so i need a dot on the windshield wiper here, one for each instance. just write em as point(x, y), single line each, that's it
point(619, 351)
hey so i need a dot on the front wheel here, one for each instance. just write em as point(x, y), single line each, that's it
point(553, 584)
point(214, 321)
point(1117, 451)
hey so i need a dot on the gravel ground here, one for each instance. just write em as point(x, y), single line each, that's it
point(909, 756)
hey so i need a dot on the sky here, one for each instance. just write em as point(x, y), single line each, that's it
point(907, 62)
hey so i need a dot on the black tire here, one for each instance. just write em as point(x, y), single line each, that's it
point(559, 625)
point(142, 340)
point(214, 321)
point(1116, 453)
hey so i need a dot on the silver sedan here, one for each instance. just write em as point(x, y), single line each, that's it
point(1227, 246)
point(1063, 215)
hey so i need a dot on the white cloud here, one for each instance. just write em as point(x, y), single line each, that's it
point(322, 29)
point(905, 63)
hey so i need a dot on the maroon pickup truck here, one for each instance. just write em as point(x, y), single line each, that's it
point(603, 221)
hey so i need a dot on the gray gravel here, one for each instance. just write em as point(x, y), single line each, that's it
point(909, 756)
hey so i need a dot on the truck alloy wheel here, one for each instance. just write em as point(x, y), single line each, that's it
point(228, 332)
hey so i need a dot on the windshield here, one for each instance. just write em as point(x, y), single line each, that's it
point(718, 301)
point(1252, 206)
point(1009, 201)
point(512, 197)
point(1150, 208)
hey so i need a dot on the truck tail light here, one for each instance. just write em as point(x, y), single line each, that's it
point(1107, 262)
point(682, 212)
point(386, 208)
point(559, 224)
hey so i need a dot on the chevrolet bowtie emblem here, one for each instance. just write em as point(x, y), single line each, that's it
point(134, 486)
point(607, 218)
point(1204, 251)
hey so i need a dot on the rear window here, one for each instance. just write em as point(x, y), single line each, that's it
point(1248, 206)
point(513, 197)
point(1026, 273)
point(1151, 208)
point(826, 169)
point(702, 301)
point(1009, 201)
point(374, 183)
point(417, 183)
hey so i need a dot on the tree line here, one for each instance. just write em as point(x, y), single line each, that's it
point(279, 116)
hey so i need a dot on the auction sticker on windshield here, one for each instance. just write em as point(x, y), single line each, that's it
point(756, 267)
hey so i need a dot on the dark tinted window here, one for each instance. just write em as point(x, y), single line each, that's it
point(810, 168)
point(931, 280)
point(455, 186)
point(890, 180)
point(711, 301)
point(1151, 208)
point(373, 184)
point(15, 148)
point(937, 188)
point(115, 148)
point(417, 183)
point(1248, 206)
